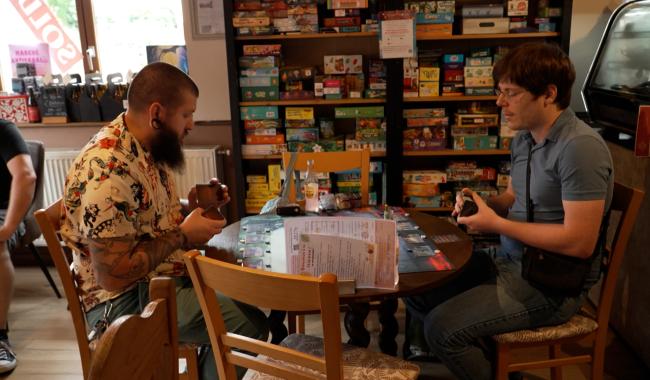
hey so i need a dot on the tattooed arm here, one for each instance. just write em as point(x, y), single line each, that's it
point(119, 262)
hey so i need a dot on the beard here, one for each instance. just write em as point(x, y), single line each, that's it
point(167, 148)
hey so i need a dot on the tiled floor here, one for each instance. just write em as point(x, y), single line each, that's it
point(42, 335)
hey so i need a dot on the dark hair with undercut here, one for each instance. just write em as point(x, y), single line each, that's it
point(159, 82)
point(535, 66)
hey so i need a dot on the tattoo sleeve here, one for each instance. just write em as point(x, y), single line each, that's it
point(127, 260)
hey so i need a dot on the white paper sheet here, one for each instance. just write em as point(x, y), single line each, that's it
point(381, 233)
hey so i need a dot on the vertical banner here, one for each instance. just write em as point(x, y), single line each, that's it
point(642, 141)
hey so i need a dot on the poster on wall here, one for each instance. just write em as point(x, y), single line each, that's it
point(173, 54)
point(37, 54)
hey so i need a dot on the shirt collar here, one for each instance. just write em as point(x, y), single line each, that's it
point(556, 128)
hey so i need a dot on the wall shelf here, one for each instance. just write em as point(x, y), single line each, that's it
point(313, 102)
point(306, 36)
point(451, 152)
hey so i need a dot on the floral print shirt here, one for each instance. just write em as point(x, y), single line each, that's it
point(115, 189)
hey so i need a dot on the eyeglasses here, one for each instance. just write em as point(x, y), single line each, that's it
point(507, 93)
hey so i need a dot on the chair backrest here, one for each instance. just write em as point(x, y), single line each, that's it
point(332, 162)
point(37, 153)
point(50, 222)
point(273, 291)
point(141, 346)
point(32, 232)
point(627, 201)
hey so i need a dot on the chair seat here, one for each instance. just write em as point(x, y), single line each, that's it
point(576, 326)
point(358, 363)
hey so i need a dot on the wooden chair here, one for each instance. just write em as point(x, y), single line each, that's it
point(298, 356)
point(582, 325)
point(144, 346)
point(327, 162)
point(49, 221)
point(333, 162)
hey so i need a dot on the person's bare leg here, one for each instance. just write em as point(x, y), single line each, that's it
point(7, 356)
point(6, 283)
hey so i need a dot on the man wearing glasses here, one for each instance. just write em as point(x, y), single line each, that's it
point(570, 176)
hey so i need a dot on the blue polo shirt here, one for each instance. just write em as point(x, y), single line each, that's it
point(572, 163)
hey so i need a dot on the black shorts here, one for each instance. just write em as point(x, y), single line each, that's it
point(15, 237)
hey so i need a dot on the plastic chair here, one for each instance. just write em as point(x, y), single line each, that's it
point(32, 232)
point(50, 222)
point(626, 201)
point(141, 346)
point(298, 356)
point(333, 162)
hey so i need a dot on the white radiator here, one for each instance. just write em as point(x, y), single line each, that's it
point(201, 164)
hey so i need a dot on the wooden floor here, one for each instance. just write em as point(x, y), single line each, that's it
point(42, 336)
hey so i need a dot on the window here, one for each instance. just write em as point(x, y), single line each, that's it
point(26, 25)
point(118, 30)
point(124, 28)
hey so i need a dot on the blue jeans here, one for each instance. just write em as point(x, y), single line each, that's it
point(239, 318)
point(488, 297)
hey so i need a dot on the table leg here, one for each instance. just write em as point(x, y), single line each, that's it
point(355, 324)
point(389, 326)
point(276, 326)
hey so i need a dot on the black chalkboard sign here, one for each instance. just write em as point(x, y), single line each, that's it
point(51, 101)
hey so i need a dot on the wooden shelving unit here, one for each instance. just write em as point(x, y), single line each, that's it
point(451, 152)
point(465, 98)
point(502, 36)
point(279, 156)
point(314, 102)
point(306, 36)
point(305, 50)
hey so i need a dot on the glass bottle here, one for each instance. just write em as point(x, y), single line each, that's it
point(311, 188)
point(33, 114)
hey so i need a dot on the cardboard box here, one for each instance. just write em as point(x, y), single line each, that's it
point(260, 72)
point(475, 142)
point(517, 7)
point(429, 89)
point(270, 81)
point(354, 112)
point(424, 112)
point(430, 74)
point(14, 108)
point(486, 25)
point(275, 184)
point(258, 112)
point(260, 93)
point(299, 113)
point(427, 122)
point(274, 49)
point(424, 176)
point(343, 64)
point(427, 138)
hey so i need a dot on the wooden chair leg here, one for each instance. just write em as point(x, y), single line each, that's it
point(189, 353)
point(291, 319)
point(46, 272)
point(301, 324)
point(598, 362)
point(503, 360)
point(554, 352)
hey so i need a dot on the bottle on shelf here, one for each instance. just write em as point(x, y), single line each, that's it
point(33, 114)
point(311, 188)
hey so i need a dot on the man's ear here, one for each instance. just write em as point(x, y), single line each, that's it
point(154, 112)
point(550, 95)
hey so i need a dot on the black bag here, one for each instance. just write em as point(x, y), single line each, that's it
point(556, 273)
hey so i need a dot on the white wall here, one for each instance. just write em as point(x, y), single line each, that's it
point(208, 67)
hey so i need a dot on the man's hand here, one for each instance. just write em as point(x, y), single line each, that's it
point(193, 200)
point(198, 229)
point(459, 201)
point(485, 220)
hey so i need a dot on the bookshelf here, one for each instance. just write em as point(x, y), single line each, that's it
point(308, 49)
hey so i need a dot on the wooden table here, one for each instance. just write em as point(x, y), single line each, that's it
point(224, 245)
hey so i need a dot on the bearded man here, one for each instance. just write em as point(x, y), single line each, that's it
point(125, 222)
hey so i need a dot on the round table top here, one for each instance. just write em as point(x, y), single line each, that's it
point(224, 245)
